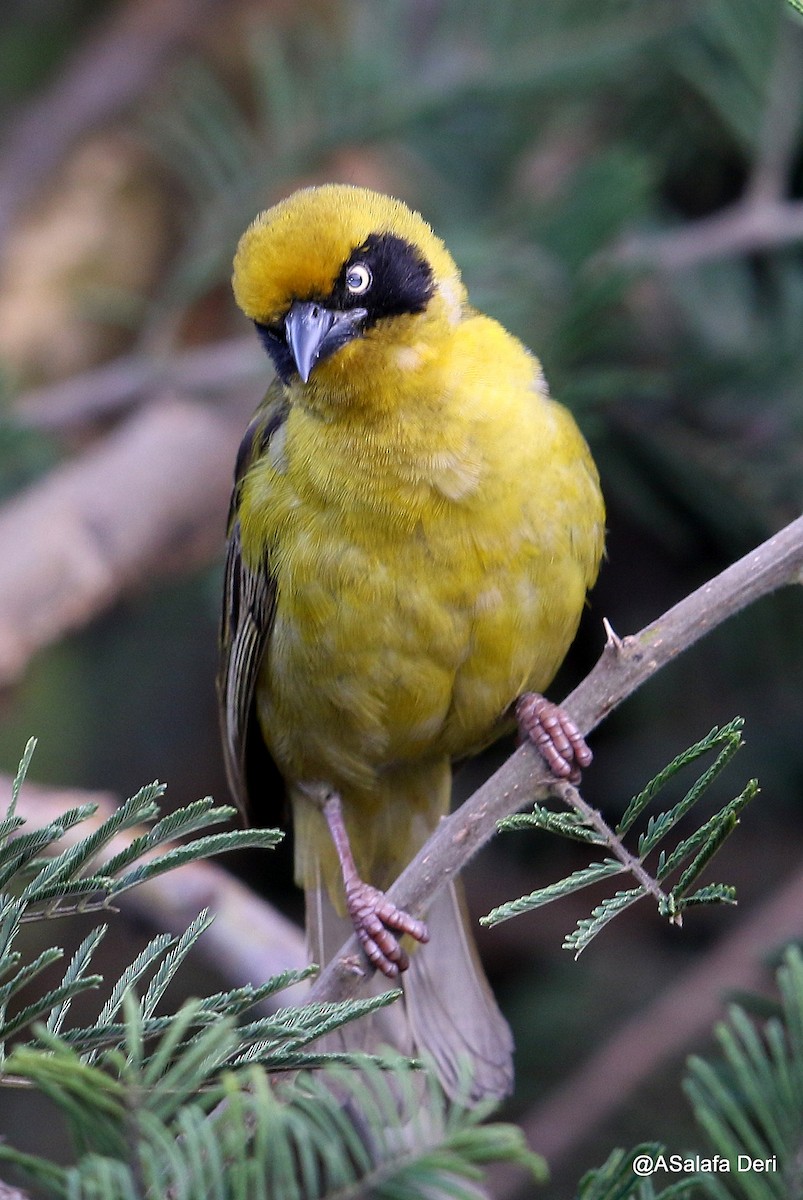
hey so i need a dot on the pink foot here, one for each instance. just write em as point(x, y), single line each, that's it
point(554, 734)
point(373, 917)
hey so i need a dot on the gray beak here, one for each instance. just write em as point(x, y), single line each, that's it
point(314, 332)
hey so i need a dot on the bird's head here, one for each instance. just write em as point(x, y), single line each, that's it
point(343, 282)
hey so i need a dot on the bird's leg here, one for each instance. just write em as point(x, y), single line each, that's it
point(372, 914)
point(554, 734)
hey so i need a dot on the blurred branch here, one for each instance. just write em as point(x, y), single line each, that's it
point(107, 391)
point(778, 142)
point(754, 223)
point(248, 942)
point(12, 1193)
point(622, 668)
point(113, 67)
point(764, 218)
point(151, 498)
point(673, 1021)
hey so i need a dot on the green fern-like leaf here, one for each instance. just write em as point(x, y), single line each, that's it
point(79, 964)
point(658, 827)
point(568, 825)
point(691, 856)
point(729, 734)
point(588, 928)
point(573, 883)
point(387, 1133)
point(752, 1103)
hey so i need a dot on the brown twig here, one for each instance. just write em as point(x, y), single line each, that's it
point(764, 218)
point(623, 667)
point(109, 390)
point(150, 498)
point(594, 819)
point(749, 225)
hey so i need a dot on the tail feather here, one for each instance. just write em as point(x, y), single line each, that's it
point(451, 1011)
point(448, 1014)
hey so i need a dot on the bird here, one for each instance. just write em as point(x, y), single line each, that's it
point(414, 527)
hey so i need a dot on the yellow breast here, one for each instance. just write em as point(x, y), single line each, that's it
point(431, 560)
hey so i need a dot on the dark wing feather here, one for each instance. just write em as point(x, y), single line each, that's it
point(249, 602)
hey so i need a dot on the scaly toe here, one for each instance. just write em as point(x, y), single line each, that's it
point(554, 734)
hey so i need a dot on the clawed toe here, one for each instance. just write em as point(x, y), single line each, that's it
point(554, 734)
point(376, 921)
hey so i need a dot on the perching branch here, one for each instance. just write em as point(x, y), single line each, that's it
point(623, 666)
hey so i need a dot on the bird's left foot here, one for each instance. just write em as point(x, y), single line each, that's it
point(554, 734)
point(376, 922)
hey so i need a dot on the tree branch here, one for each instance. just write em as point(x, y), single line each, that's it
point(109, 390)
point(151, 497)
point(764, 218)
point(755, 223)
point(623, 667)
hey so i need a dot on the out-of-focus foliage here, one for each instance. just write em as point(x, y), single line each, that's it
point(749, 1106)
point(140, 1087)
point(537, 139)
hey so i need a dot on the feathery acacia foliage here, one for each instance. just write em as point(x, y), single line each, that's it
point(180, 1103)
point(749, 1107)
point(687, 860)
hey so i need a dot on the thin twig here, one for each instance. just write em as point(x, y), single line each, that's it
point(110, 390)
point(764, 218)
point(749, 225)
point(633, 865)
point(622, 668)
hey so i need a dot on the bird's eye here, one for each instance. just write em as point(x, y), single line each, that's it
point(358, 279)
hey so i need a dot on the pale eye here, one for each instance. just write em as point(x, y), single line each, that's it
point(358, 279)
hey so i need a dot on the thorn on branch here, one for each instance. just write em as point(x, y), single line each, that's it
point(612, 640)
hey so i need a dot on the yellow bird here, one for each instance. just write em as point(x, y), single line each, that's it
point(414, 527)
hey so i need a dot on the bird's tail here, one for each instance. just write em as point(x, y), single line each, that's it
point(447, 1015)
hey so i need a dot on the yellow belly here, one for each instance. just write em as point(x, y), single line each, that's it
point(427, 574)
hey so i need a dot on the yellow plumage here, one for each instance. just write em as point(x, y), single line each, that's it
point(429, 520)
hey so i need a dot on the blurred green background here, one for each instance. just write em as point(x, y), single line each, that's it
point(621, 183)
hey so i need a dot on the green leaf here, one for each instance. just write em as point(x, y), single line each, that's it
point(50, 1001)
point(19, 778)
point(79, 964)
point(588, 928)
point(693, 843)
point(568, 825)
point(142, 963)
point(173, 960)
point(177, 824)
point(572, 883)
point(658, 827)
point(264, 839)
